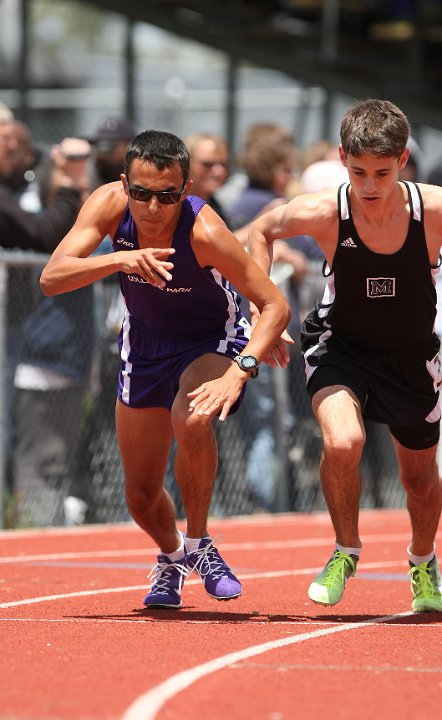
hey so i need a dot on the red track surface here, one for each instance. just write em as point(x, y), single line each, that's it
point(77, 643)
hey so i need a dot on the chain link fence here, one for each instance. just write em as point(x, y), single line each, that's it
point(269, 450)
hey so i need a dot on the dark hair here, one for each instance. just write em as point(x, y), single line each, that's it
point(160, 148)
point(374, 127)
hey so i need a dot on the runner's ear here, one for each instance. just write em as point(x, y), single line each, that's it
point(404, 158)
point(125, 183)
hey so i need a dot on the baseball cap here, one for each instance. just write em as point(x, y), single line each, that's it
point(113, 129)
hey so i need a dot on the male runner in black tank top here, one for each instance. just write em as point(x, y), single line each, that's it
point(369, 346)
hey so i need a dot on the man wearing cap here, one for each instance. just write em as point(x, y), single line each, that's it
point(110, 143)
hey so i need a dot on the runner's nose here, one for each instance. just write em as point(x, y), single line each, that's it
point(153, 204)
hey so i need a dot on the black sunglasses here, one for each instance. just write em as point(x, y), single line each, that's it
point(165, 197)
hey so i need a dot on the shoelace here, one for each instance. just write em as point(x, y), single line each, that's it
point(216, 567)
point(424, 585)
point(335, 569)
point(162, 572)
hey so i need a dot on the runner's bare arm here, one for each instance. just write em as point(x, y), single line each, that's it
point(313, 214)
point(72, 266)
point(216, 246)
point(310, 214)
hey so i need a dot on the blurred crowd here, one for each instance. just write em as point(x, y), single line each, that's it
point(57, 359)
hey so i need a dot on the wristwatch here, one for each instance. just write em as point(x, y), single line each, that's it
point(248, 363)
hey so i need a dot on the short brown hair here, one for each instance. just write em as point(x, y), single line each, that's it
point(266, 146)
point(374, 127)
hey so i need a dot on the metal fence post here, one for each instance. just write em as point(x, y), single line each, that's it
point(281, 503)
point(3, 360)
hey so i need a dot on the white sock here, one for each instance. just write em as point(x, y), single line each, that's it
point(349, 550)
point(179, 552)
point(419, 559)
point(192, 544)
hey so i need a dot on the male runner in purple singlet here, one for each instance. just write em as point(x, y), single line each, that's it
point(186, 349)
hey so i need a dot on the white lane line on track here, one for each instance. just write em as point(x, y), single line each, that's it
point(147, 706)
point(243, 546)
point(196, 581)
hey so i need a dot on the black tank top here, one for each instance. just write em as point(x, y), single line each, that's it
point(378, 301)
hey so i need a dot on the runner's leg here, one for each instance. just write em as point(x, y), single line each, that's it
point(339, 416)
point(145, 437)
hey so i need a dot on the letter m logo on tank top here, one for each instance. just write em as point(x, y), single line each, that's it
point(381, 287)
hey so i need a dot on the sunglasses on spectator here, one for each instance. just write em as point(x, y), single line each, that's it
point(165, 197)
point(208, 164)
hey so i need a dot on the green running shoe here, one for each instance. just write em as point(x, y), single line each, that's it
point(426, 587)
point(328, 587)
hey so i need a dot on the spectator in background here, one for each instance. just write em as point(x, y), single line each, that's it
point(109, 142)
point(269, 158)
point(42, 232)
point(21, 189)
point(209, 172)
point(29, 231)
point(20, 176)
point(48, 377)
point(209, 168)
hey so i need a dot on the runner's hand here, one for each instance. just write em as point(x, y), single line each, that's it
point(279, 354)
point(216, 397)
point(150, 264)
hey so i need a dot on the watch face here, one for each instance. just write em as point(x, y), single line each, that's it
point(248, 362)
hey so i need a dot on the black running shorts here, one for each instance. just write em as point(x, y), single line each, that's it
point(399, 389)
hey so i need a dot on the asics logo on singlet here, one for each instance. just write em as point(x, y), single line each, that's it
point(178, 290)
point(381, 287)
point(349, 242)
point(126, 243)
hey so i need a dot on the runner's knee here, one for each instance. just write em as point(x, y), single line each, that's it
point(344, 450)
